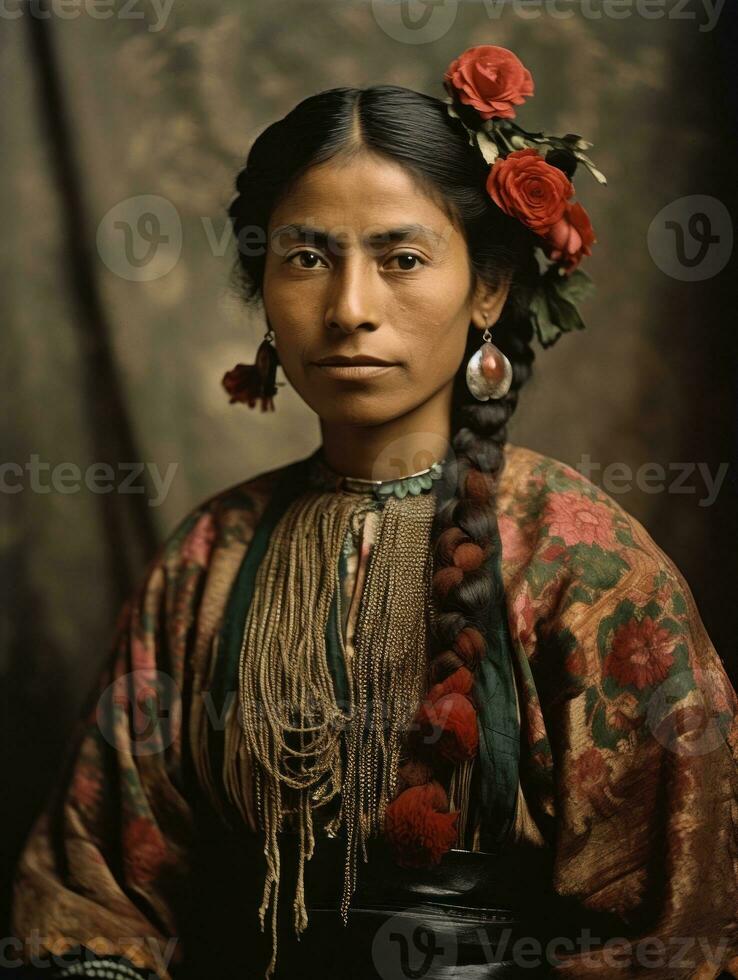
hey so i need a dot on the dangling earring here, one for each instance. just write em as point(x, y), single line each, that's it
point(249, 382)
point(489, 372)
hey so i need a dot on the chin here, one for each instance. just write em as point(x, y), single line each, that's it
point(355, 408)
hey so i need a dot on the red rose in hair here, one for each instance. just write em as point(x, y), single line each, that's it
point(490, 79)
point(569, 240)
point(524, 186)
point(417, 827)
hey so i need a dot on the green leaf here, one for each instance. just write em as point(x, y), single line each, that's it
point(575, 287)
point(548, 331)
point(553, 307)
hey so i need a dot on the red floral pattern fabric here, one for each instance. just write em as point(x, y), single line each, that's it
point(629, 736)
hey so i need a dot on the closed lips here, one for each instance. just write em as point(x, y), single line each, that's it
point(353, 361)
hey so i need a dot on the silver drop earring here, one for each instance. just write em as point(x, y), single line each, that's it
point(488, 372)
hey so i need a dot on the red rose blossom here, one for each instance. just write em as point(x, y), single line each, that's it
point(524, 186)
point(571, 238)
point(490, 79)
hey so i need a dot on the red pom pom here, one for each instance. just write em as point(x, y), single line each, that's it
point(460, 682)
point(470, 645)
point(446, 579)
point(449, 541)
point(454, 715)
point(478, 486)
point(468, 556)
point(418, 830)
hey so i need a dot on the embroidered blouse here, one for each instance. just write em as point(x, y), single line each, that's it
point(626, 740)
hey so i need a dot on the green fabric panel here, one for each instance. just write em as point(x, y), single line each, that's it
point(499, 729)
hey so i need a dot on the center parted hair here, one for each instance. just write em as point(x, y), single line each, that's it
point(416, 131)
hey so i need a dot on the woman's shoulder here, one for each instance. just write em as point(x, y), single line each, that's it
point(550, 512)
point(225, 521)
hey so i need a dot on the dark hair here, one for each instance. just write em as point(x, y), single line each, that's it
point(415, 130)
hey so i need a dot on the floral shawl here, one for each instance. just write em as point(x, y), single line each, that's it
point(628, 740)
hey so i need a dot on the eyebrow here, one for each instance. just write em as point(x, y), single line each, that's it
point(324, 239)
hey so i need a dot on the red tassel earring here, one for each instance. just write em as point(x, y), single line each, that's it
point(251, 382)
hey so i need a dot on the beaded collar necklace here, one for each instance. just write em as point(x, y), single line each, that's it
point(323, 477)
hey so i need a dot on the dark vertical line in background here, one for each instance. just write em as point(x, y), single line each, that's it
point(699, 343)
point(726, 47)
point(111, 432)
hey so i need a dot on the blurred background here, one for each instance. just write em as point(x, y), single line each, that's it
point(123, 127)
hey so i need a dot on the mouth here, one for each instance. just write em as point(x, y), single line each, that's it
point(353, 368)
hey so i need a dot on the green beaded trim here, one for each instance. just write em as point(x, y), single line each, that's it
point(321, 476)
point(410, 484)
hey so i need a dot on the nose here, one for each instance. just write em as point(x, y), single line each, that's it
point(353, 300)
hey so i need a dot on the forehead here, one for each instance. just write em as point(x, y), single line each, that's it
point(366, 190)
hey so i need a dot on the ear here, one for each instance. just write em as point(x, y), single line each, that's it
point(487, 303)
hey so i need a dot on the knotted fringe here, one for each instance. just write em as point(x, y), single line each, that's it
point(292, 727)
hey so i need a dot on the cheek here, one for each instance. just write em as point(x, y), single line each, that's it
point(435, 351)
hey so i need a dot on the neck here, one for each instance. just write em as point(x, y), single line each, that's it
point(394, 449)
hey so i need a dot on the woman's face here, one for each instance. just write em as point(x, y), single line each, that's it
point(362, 262)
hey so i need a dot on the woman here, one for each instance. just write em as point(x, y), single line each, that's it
point(424, 703)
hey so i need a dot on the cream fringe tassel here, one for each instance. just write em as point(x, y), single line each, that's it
point(292, 727)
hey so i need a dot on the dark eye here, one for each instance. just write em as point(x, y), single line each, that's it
point(404, 257)
point(305, 253)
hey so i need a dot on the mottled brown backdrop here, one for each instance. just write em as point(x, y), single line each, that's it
point(103, 364)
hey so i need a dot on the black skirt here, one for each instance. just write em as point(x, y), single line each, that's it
point(474, 915)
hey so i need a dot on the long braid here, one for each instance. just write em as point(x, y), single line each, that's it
point(418, 821)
